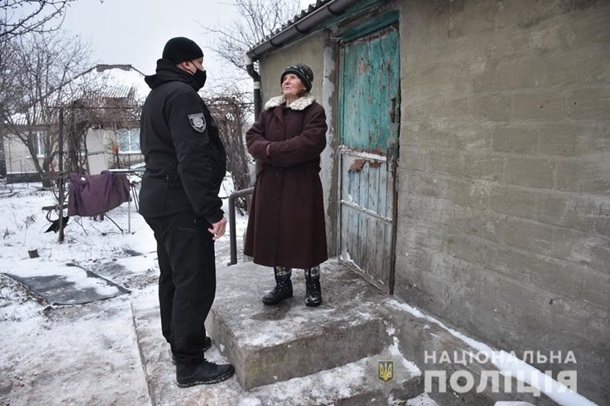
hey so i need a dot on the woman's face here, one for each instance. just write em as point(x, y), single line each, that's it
point(292, 87)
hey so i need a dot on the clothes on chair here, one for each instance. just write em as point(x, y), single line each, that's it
point(90, 195)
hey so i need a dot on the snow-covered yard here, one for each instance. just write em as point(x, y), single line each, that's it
point(73, 354)
point(78, 354)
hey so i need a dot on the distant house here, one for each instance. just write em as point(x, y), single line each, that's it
point(112, 127)
point(468, 168)
point(17, 163)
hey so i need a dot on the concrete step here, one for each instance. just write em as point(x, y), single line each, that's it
point(267, 344)
point(353, 384)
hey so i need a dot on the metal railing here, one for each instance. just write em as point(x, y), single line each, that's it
point(232, 231)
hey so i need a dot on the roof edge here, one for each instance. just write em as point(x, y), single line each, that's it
point(301, 27)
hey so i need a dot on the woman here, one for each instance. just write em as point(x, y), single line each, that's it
point(286, 227)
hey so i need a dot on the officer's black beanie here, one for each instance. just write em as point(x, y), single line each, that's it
point(181, 49)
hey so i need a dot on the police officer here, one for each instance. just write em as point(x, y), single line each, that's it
point(185, 165)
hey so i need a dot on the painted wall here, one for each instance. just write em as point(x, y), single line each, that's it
point(99, 143)
point(504, 192)
point(99, 153)
point(318, 53)
point(18, 159)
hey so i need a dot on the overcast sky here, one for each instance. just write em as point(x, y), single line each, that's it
point(134, 31)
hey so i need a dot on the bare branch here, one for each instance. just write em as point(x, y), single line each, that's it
point(43, 74)
point(20, 17)
point(257, 20)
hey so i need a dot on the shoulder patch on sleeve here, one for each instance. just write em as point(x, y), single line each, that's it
point(197, 121)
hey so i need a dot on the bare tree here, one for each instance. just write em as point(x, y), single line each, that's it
point(45, 76)
point(38, 69)
point(256, 20)
point(230, 115)
point(20, 17)
point(101, 107)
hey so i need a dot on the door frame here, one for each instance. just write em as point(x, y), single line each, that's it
point(369, 28)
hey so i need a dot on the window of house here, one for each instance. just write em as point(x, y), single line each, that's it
point(39, 144)
point(129, 141)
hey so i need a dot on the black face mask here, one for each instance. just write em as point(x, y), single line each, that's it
point(200, 76)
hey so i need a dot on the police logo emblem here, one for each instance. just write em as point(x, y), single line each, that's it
point(197, 122)
point(386, 370)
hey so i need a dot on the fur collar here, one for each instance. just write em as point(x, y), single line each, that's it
point(299, 104)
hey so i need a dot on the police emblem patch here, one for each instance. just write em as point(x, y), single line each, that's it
point(197, 121)
point(386, 370)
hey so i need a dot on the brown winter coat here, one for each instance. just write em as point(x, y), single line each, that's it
point(286, 225)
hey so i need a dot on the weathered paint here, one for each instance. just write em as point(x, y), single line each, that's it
point(370, 84)
point(328, 171)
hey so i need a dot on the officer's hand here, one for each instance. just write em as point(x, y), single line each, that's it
point(218, 229)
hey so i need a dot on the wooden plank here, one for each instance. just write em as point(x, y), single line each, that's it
point(54, 207)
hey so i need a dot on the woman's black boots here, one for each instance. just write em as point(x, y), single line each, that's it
point(313, 291)
point(283, 286)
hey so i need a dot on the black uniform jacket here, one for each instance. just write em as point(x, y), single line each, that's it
point(185, 158)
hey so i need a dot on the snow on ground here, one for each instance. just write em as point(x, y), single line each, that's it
point(75, 354)
point(83, 354)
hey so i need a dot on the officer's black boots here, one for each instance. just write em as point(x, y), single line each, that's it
point(313, 291)
point(283, 286)
point(203, 373)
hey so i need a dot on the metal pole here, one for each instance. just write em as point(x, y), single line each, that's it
point(233, 237)
point(60, 178)
point(257, 85)
point(129, 215)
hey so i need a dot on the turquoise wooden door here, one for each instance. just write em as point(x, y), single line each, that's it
point(368, 153)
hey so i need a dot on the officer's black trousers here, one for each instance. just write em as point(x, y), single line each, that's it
point(187, 283)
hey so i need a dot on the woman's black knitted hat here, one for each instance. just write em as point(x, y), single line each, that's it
point(303, 72)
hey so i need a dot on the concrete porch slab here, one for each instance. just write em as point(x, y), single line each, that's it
point(267, 344)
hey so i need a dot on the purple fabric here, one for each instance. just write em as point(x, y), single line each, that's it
point(90, 195)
